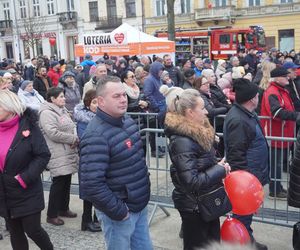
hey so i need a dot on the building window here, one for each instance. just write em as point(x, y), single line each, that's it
point(36, 8)
point(254, 2)
point(111, 8)
point(70, 4)
point(130, 8)
point(286, 39)
point(93, 8)
point(221, 3)
point(185, 6)
point(50, 6)
point(22, 4)
point(160, 7)
point(6, 11)
point(286, 1)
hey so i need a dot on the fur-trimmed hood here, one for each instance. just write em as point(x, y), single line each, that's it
point(179, 125)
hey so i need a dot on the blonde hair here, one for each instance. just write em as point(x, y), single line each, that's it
point(2, 82)
point(187, 100)
point(266, 68)
point(10, 102)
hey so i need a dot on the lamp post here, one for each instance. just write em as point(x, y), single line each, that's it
point(18, 32)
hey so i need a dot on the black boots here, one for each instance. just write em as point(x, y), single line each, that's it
point(91, 226)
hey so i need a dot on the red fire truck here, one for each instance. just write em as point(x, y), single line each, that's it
point(217, 42)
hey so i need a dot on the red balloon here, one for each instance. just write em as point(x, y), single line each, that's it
point(234, 231)
point(52, 41)
point(245, 192)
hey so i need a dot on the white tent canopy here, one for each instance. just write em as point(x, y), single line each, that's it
point(134, 35)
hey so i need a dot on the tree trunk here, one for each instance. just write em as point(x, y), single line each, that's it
point(171, 20)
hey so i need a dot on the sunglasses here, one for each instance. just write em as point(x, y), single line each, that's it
point(133, 76)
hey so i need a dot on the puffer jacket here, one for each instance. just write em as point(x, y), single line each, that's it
point(194, 169)
point(294, 187)
point(245, 145)
point(28, 157)
point(82, 116)
point(59, 132)
point(113, 174)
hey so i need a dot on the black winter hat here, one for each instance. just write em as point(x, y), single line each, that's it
point(244, 90)
point(280, 71)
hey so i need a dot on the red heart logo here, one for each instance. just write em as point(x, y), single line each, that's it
point(119, 37)
point(26, 133)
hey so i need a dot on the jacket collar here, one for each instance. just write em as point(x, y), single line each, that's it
point(202, 134)
point(276, 85)
point(246, 111)
point(118, 122)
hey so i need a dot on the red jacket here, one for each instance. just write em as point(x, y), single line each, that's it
point(276, 126)
point(54, 76)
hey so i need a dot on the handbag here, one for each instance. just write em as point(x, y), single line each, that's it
point(214, 204)
point(296, 236)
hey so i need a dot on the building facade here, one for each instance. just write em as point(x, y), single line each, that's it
point(39, 27)
point(277, 17)
point(30, 28)
point(52, 27)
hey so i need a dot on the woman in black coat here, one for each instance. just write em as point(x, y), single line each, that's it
point(23, 157)
point(195, 170)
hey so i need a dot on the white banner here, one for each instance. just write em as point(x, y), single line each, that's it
point(105, 39)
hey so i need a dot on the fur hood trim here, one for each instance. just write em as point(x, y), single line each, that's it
point(202, 134)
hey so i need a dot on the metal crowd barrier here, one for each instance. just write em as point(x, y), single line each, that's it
point(274, 211)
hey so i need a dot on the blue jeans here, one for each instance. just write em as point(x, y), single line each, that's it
point(132, 233)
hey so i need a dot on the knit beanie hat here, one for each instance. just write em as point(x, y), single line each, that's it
point(244, 90)
point(224, 83)
point(24, 84)
point(221, 61)
point(170, 94)
point(68, 73)
point(53, 64)
point(163, 74)
point(238, 72)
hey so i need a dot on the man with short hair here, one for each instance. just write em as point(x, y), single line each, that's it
point(174, 72)
point(42, 82)
point(245, 145)
point(30, 70)
point(100, 71)
point(198, 67)
point(113, 174)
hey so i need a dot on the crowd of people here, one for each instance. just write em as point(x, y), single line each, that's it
point(66, 119)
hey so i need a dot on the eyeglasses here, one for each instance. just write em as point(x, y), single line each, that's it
point(133, 76)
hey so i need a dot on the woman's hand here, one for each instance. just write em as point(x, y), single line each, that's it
point(224, 164)
point(143, 104)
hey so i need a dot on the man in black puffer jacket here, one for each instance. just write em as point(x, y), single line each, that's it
point(245, 145)
point(113, 173)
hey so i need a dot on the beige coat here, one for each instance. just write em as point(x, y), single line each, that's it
point(60, 133)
